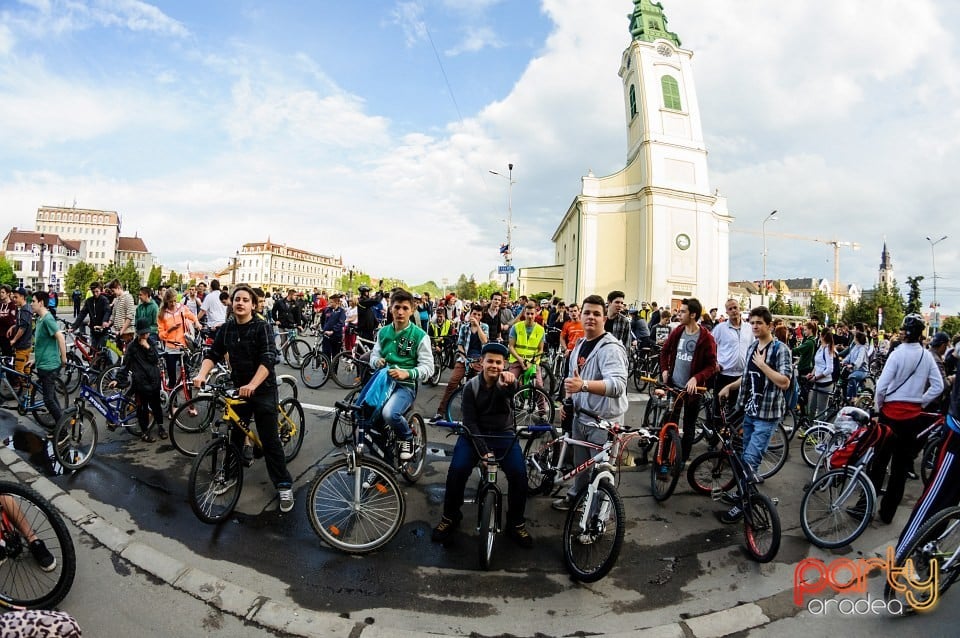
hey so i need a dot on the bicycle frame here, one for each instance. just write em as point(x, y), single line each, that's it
point(23, 396)
point(109, 407)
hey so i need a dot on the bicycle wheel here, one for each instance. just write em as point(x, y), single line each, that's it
point(549, 382)
point(72, 376)
point(836, 508)
point(814, 442)
point(638, 374)
point(341, 430)
point(41, 414)
point(315, 370)
point(216, 479)
point(775, 456)
point(412, 470)
point(22, 581)
point(590, 551)
point(128, 414)
point(295, 351)
point(531, 406)
point(455, 406)
point(487, 528)
point(664, 475)
point(191, 425)
point(179, 395)
point(761, 527)
point(711, 473)
point(287, 387)
point(291, 424)
point(541, 454)
point(75, 439)
point(356, 507)
point(935, 543)
point(346, 371)
point(704, 418)
point(108, 376)
point(928, 459)
point(439, 363)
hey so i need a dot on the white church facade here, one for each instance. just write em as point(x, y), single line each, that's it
point(655, 229)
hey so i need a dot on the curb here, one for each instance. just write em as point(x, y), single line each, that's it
point(282, 618)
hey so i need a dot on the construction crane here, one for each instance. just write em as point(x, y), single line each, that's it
point(837, 245)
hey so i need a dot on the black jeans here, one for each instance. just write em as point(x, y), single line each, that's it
point(148, 401)
point(899, 451)
point(465, 459)
point(263, 407)
point(691, 408)
point(48, 386)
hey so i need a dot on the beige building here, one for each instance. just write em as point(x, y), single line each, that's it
point(133, 248)
point(279, 267)
point(99, 230)
point(40, 260)
point(655, 229)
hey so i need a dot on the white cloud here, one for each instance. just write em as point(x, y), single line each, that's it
point(476, 39)
point(63, 16)
point(6, 39)
point(409, 17)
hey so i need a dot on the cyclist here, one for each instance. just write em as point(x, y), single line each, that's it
point(38, 548)
point(597, 381)
point(526, 343)
point(97, 307)
point(286, 314)
point(471, 338)
point(141, 363)
point(332, 320)
point(733, 340)
point(148, 310)
point(50, 352)
point(124, 310)
point(21, 335)
point(617, 322)
point(767, 373)
point(212, 309)
point(858, 363)
point(367, 321)
point(8, 319)
point(487, 410)
point(172, 325)
point(404, 348)
point(253, 354)
point(497, 318)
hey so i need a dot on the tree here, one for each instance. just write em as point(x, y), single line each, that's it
point(350, 284)
point(779, 306)
point(127, 275)
point(7, 275)
point(486, 290)
point(430, 287)
point(155, 278)
point(175, 280)
point(80, 275)
point(914, 305)
point(950, 325)
point(822, 307)
point(886, 297)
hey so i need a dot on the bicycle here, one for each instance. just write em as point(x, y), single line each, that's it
point(531, 404)
point(717, 472)
point(837, 507)
point(934, 557)
point(29, 397)
point(444, 356)
point(173, 393)
point(489, 498)
point(79, 350)
point(24, 583)
point(454, 410)
point(933, 434)
point(823, 439)
point(356, 504)
point(195, 422)
point(646, 365)
point(292, 347)
point(668, 460)
point(349, 366)
point(216, 476)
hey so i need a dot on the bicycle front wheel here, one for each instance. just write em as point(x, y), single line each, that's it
point(412, 470)
point(295, 351)
point(487, 528)
point(761, 528)
point(23, 582)
point(341, 430)
point(287, 387)
point(315, 370)
point(291, 424)
point(72, 376)
point(928, 459)
point(532, 406)
point(593, 533)
point(936, 542)
point(191, 425)
point(345, 371)
point(41, 414)
point(216, 479)
point(814, 442)
point(75, 439)
point(541, 454)
point(356, 507)
point(775, 456)
point(665, 474)
point(836, 508)
point(711, 473)
point(455, 406)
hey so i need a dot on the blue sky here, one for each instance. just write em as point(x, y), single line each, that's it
point(330, 125)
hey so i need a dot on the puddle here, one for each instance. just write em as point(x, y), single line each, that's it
point(38, 450)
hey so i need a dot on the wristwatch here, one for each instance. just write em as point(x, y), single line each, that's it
point(583, 387)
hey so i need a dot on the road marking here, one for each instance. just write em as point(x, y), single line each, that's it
point(317, 408)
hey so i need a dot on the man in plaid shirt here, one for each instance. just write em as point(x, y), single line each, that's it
point(766, 376)
point(617, 323)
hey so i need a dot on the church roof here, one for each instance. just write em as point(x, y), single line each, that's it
point(648, 23)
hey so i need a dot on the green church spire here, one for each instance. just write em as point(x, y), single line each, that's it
point(647, 22)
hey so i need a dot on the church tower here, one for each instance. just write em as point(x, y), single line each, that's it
point(654, 229)
point(886, 267)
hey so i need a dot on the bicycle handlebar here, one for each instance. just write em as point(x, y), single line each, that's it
point(660, 384)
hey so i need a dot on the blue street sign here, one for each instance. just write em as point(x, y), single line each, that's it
point(506, 269)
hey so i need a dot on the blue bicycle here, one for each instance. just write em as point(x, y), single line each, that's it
point(26, 393)
point(76, 433)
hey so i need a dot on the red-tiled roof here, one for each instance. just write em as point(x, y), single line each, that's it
point(131, 245)
point(29, 237)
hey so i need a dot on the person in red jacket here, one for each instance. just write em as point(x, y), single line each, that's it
point(688, 359)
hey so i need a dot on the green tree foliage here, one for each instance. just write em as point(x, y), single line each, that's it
point(176, 280)
point(822, 307)
point(950, 325)
point(155, 278)
point(127, 275)
point(80, 275)
point(779, 306)
point(865, 310)
point(430, 287)
point(466, 288)
point(7, 275)
point(350, 284)
point(914, 304)
point(485, 290)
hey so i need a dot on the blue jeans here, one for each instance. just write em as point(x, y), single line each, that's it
point(756, 437)
point(854, 381)
point(511, 462)
point(393, 409)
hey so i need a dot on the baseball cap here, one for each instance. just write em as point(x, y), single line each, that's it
point(939, 339)
point(494, 348)
point(143, 327)
point(544, 302)
point(20, 291)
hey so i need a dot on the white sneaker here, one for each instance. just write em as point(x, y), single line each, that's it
point(286, 499)
point(406, 449)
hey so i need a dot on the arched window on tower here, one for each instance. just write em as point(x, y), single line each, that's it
point(633, 101)
point(671, 92)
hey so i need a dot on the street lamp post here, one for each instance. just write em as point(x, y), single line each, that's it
point(763, 292)
point(935, 324)
point(507, 255)
point(233, 278)
point(43, 247)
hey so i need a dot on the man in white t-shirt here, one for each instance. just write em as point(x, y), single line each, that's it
point(212, 308)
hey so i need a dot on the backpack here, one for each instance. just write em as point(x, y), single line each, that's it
point(837, 368)
point(792, 393)
point(860, 440)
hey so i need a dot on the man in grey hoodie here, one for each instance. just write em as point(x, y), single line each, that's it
point(597, 381)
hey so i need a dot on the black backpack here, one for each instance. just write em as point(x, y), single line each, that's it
point(837, 367)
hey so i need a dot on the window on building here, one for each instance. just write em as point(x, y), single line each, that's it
point(671, 92)
point(633, 101)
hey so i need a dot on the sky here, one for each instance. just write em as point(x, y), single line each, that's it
point(368, 129)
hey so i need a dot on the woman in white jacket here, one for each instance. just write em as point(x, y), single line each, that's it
point(910, 381)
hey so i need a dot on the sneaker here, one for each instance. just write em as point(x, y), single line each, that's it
point(372, 479)
point(585, 539)
point(247, 454)
point(161, 432)
point(436, 417)
point(286, 499)
point(520, 536)
point(42, 555)
point(444, 530)
point(730, 498)
point(224, 487)
point(912, 474)
point(732, 515)
point(406, 449)
point(562, 504)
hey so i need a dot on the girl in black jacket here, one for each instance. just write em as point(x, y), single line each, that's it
point(141, 361)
